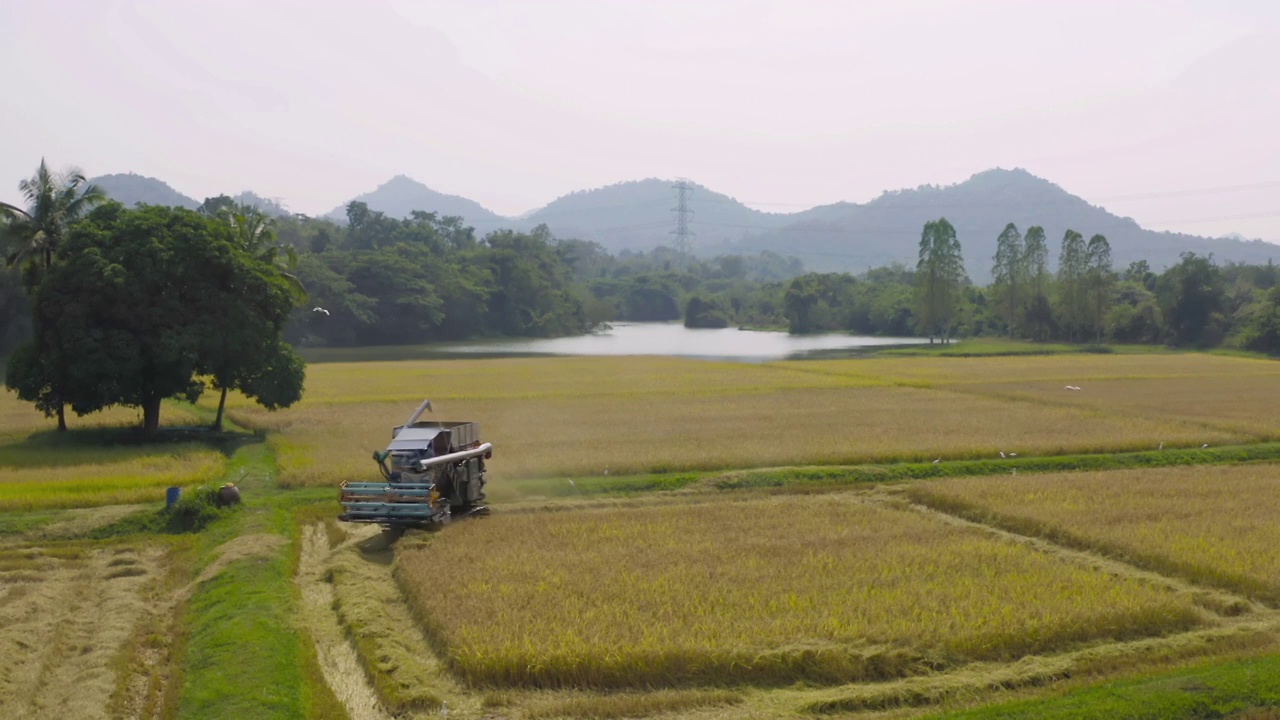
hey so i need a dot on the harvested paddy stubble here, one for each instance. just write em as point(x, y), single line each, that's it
point(764, 591)
point(1214, 525)
point(65, 614)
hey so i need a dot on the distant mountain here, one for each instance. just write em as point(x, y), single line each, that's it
point(129, 189)
point(401, 195)
point(639, 215)
point(853, 237)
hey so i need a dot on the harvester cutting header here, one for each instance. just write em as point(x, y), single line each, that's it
point(432, 472)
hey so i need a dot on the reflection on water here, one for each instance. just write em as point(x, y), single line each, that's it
point(671, 339)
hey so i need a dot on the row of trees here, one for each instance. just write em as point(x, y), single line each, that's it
point(1195, 303)
point(129, 307)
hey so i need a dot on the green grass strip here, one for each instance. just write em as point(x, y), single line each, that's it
point(244, 656)
point(851, 474)
point(1207, 691)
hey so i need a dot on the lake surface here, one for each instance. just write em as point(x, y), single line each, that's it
point(671, 339)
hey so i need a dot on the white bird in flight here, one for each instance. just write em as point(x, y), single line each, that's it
point(319, 309)
point(1001, 453)
point(935, 462)
point(1071, 387)
point(1204, 446)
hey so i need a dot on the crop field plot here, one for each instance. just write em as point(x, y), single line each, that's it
point(1242, 403)
point(550, 417)
point(66, 615)
point(1075, 369)
point(770, 591)
point(532, 378)
point(1213, 525)
point(54, 472)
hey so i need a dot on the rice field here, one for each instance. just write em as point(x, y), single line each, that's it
point(40, 470)
point(769, 591)
point(585, 416)
point(1235, 403)
point(1213, 525)
point(1074, 369)
point(88, 477)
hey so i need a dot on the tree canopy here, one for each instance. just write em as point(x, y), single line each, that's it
point(143, 304)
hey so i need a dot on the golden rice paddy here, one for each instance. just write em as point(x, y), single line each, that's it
point(586, 416)
point(40, 470)
point(823, 589)
point(1215, 525)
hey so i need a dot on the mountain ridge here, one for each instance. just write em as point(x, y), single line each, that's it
point(842, 236)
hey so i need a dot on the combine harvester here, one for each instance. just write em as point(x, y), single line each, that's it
point(432, 472)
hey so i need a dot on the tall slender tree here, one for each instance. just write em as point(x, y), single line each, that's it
point(939, 275)
point(35, 235)
point(1035, 261)
point(1072, 269)
point(1009, 272)
point(1099, 281)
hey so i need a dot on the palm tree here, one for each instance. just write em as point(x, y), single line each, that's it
point(54, 201)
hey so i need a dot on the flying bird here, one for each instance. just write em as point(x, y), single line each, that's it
point(935, 462)
point(1162, 446)
point(1001, 453)
point(1204, 446)
point(319, 309)
point(571, 483)
point(1013, 454)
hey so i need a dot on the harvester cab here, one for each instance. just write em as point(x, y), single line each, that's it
point(432, 472)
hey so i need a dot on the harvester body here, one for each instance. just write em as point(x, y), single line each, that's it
point(431, 471)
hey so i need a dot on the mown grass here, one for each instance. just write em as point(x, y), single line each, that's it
point(765, 591)
point(1214, 525)
point(1220, 690)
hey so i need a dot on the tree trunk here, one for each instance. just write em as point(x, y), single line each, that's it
point(222, 404)
point(151, 416)
point(62, 417)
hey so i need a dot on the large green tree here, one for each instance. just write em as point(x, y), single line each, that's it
point(1009, 273)
point(1191, 297)
point(136, 310)
point(939, 276)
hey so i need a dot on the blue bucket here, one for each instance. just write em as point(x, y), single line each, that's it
point(171, 496)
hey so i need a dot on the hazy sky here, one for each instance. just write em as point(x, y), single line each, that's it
point(783, 105)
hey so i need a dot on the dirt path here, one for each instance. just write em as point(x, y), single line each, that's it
point(64, 619)
point(338, 660)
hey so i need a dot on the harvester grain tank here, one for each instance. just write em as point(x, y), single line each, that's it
point(432, 472)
